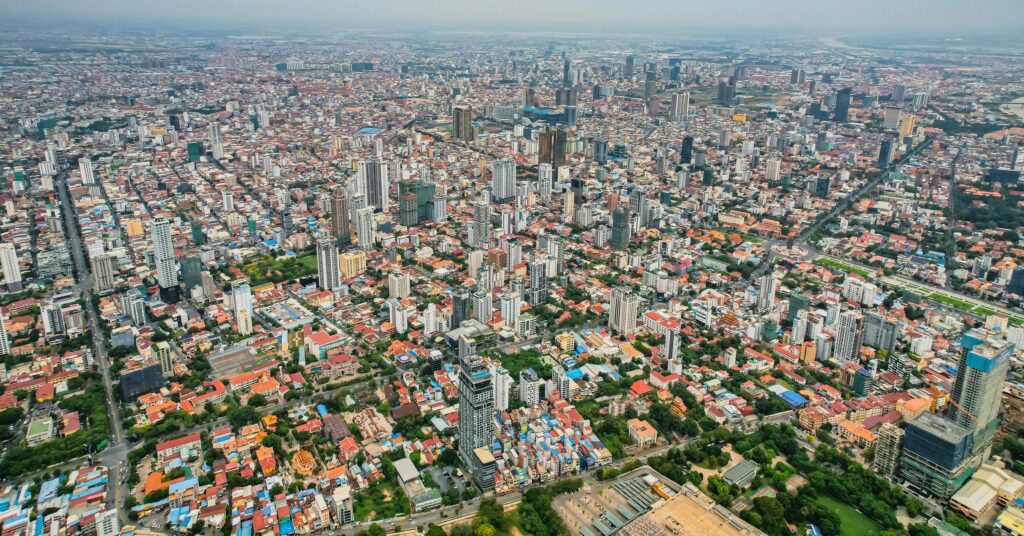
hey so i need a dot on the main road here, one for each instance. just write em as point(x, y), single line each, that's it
point(117, 452)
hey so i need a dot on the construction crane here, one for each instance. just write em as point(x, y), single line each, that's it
point(935, 403)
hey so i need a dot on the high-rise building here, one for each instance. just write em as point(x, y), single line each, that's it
point(511, 305)
point(227, 200)
point(503, 178)
point(166, 263)
point(398, 315)
point(798, 301)
point(885, 150)
point(630, 65)
point(849, 336)
point(462, 306)
point(399, 285)
point(767, 287)
point(880, 333)
point(601, 151)
point(373, 174)
point(562, 382)
point(340, 224)
point(351, 264)
point(327, 268)
point(842, 112)
point(242, 302)
point(531, 387)
point(623, 311)
point(483, 307)
point(621, 231)
point(366, 228)
point(980, 378)
point(502, 388)
point(5, 342)
point(462, 123)
point(216, 142)
point(772, 169)
point(937, 457)
point(85, 168)
point(104, 266)
point(10, 266)
point(407, 214)
point(545, 180)
point(133, 307)
point(192, 272)
point(476, 420)
point(650, 83)
point(887, 453)
point(165, 357)
point(680, 105)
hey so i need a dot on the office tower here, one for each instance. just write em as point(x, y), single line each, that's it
point(937, 457)
point(686, 150)
point(880, 332)
point(166, 263)
point(849, 336)
point(502, 388)
point(133, 306)
point(192, 271)
point(398, 285)
point(241, 296)
point(797, 76)
point(726, 94)
point(462, 306)
point(483, 307)
point(476, 420)
point(327, 269)
point(462, 123)
point(623, 312)
point(538, 281)
point(650, 83)
point(621, 232)
point(601, 151)
point(10, 266)
point(680, 105)
point(772, 169)
point(630, 65)
point(821, 186)
point(373, 174)
point(798, 301)
point(503, 179)
point(216, 142)
point(842, 111)
point(480, 227)
point(511, 304)
point(85, 169)
point(899, 93)
point(227, 200)
point(103, 268)
point(980, 378)
point(366, 228)
point(545, 180)
point(887, 453)
point(567, 73)
point(5, 343)
point(767, 287)
point(885, 154)
point(340, 225)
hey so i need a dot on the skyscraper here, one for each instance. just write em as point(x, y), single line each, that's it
point(216, 142)
point(885, 154)
point(476, 418)
point(398, 285)
point(340, 224)
point(880, 332)
point(103, 268)
point(623, 311)
point(374, 176)
point(767, 287)
point(483, 307)
point(503, 178)
point(849, 336)
point(545, 180)
point(366, 228)
point(462, 306)
point(166, 264)
point(621, 233)
point(327, 263)
point(842, 112)
point(242, 297)
point(502, 388)
point(680, 105)
point(85, 168)
point(887, 453)
point(980, 378)
point(462, 123)
point(10, 266)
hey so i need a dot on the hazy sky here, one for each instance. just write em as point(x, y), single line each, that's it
point(939, 18)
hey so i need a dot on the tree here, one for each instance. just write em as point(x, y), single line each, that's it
point(484, 530)
point(434, 530)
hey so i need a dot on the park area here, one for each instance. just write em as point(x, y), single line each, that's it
point(852, 522)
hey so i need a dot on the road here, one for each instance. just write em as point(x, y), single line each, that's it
point(842, 206)
point(118, 450)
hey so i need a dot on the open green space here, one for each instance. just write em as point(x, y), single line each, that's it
point(852, 522)
point(382, 500)
point(829, 263)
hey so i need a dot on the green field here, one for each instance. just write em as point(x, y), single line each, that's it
point(852, 522)
point(836, 265)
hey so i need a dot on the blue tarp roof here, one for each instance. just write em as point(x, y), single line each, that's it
point(793, 399)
